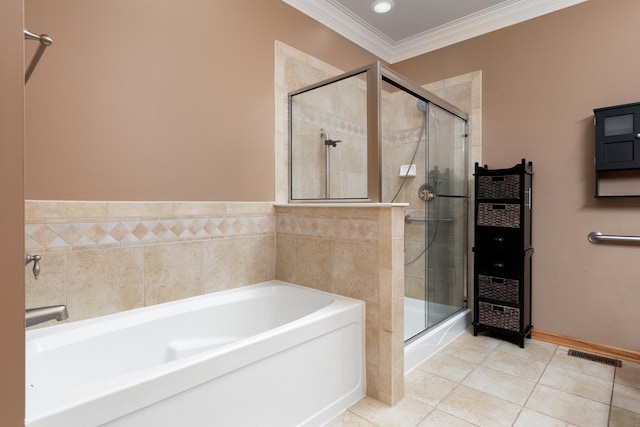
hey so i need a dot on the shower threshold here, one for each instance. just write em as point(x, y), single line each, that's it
point(425, 344)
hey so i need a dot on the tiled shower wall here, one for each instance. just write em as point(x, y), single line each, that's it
point(104, 257)
point(356, 251)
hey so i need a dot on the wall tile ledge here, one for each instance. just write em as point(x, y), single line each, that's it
point(37, 211)
point(340, 205)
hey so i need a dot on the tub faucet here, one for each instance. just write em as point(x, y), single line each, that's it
point(43, 314)
point(36, 263)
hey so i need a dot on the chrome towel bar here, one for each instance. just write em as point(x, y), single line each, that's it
point(597, 237)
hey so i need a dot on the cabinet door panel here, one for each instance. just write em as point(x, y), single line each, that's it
point(618, 137)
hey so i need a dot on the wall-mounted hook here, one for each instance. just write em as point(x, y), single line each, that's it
point(36, 263)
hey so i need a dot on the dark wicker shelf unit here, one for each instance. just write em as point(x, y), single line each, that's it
point(503, 251)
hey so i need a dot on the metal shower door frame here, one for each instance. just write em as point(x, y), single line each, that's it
point(376, 73)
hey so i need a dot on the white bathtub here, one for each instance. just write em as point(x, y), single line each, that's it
point(271, 354)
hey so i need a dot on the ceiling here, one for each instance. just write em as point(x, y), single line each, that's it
point(414, 27)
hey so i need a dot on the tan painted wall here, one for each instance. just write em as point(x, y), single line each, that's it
point(161, 100)
point(12, 218)
point(541, 80)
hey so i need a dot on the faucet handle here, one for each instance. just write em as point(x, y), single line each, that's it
point(36, 263)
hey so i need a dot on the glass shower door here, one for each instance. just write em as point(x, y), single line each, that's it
point(446, 233)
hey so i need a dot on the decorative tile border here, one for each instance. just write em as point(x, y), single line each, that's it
point(404, 136)
point(85, 235)
point(329, 228)
point(319, 119)
point(72, 225)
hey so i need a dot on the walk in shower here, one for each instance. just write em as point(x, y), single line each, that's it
point(371, 135)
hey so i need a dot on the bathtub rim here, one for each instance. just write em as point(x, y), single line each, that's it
point(149, 313)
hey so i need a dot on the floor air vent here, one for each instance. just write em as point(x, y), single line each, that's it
point(595, 358)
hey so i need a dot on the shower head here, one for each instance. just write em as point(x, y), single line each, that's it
point(422, 105)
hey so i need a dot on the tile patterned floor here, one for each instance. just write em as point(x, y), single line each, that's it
point(485, 381)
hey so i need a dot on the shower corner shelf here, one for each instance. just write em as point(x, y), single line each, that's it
point(503, 251)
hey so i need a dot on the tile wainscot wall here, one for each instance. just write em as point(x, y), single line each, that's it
point(356, 251)
point(104, 257)
point(100, 258)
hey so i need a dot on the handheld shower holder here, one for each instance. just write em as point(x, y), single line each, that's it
point(327, 139)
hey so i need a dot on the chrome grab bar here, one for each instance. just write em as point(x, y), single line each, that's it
point(409, 219)
point(597, 237)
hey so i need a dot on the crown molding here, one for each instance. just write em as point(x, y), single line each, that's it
point(333, 15)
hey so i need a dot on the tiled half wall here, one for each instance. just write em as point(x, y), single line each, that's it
point(358, 252)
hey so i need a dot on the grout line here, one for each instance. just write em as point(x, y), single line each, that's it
point(459, 383)
point(359, 416)
point(203, 262)
point(66, 292)
point(613, 385)
point(524, 405)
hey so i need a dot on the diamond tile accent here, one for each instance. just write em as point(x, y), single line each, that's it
point(67, 236)
point(319, 118)
point(331, 228)
point(41, 234)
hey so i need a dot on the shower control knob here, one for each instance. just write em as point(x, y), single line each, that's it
point(425, 193)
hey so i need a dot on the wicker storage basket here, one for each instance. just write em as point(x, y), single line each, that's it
point(499, 187)
point(498, 288)
point(499, 316)
point(499, 215)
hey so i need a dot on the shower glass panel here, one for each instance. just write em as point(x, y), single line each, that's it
point(329, 141)
point(446, 235)
point(372, 135)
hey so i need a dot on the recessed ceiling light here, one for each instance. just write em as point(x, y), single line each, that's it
point(382, 6)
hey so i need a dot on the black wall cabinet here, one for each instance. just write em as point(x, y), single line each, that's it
point(617, 154)
point(503, 251)
point(618, 137)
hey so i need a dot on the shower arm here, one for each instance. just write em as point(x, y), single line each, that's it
point(45, 41)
